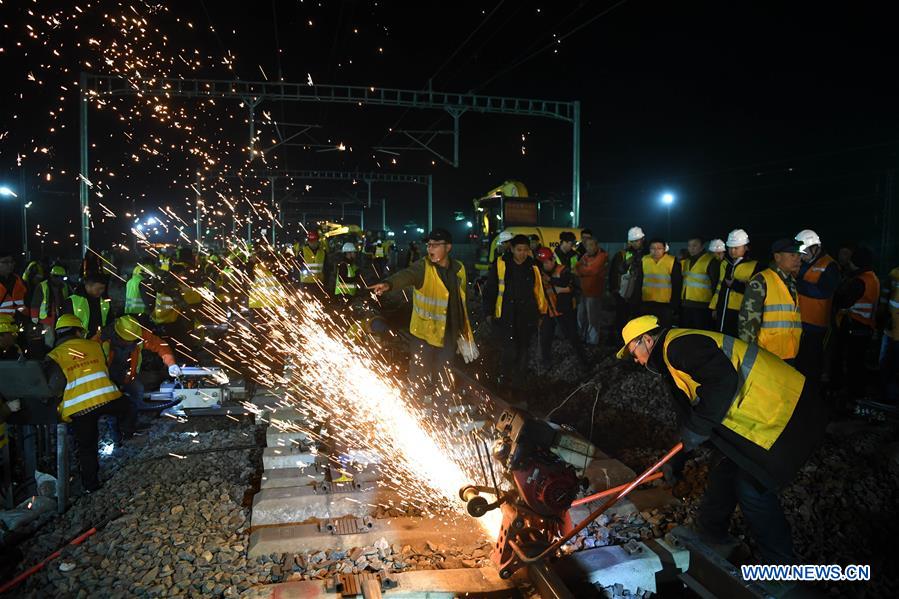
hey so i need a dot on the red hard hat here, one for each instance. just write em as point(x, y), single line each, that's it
point(544, 254)
point(312, 236)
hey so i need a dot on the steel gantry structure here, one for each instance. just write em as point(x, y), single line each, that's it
point(253, 93)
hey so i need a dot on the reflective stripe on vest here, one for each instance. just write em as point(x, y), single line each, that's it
point(767, 392)
point(501, 277)
point(697, 283)
point(863, 310)
point(781, 323)
point(813, 310)
point(742, 272)
point(164, 309)
point(430, 304)
point(657, 279)
point(14, 299)
point(84, 366)
point(342, 287)
point(81, 309)
point(265, 290)
point(314, 263)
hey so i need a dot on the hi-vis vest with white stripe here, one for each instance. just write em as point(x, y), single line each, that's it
point(164, 309)
point(134, 301)
point(538, 288)
point(430, 304)
point(81, 308)
point(781, 322)
point(767, 392)
point(314, 263)
point(657, 279)
point(863, 310)
point(697, 283)
point(348, 287)
point(265, 290)
point(88, 384)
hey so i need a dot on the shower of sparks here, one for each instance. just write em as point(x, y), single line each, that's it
point(324, 364)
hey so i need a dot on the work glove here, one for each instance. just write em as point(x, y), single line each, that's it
point(174, 371)
point(690, 440)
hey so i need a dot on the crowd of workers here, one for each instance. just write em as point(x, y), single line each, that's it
point(728, 325)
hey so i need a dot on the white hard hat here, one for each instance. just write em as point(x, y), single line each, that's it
point(635, 233)
point(737, 238)
point(807, 238)
point(505, 236)
point(716, 245)
point(348, 247)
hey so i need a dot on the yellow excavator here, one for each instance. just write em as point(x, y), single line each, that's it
point(508, 207)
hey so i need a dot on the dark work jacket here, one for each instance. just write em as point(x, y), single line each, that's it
point(518, 297)
point(701, 358)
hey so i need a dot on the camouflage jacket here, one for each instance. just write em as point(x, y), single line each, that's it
point(753, 306)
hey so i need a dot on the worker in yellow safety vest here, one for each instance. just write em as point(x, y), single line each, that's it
point(660, 282)
point(91, 308)
point(139, 289)
point(48, 302)
point(265, 290)
point(759, 413)
point(770, 313)
point(346, 282)
point(76, 371)
point(736, 270)
point(313, 261)
point(700, 276)
point(440, 321)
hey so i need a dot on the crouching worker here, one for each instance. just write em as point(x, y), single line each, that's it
point(758, 412)
point(76, 370)
point(124, 344)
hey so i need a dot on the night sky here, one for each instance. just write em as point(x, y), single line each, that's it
point(768, 117)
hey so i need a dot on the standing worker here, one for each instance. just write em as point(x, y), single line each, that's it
point(91, 308)
point(440, 321)
point(818, 279)
point(624, 275)
point(565, 252)
point(856, 304)
point(759, 413)
point(139, 292)
point(734, 273)
point(502, 245)
point(700, 271)
point(558, 285)
point(514, 299)
point(591, 269)
point(48, 302)
point(347, 277)
point(76, 370)
point(718, 249)
point(769, 315)
point(313, 257)
point(660, 283)
point(12, 287)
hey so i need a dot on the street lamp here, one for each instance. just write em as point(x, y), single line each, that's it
point(668, 200)
point(6, 192)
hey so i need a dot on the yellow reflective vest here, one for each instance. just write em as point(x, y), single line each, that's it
point(501, 278)
point(657, 279)
point(743, 272)
point(430, 304)
point(768, 391)
point(314, 263)
point(164, 311)
point(265, 290)
point(81, 308)
point(697, 283)
point(781, 322)
point(134, 301)
point(87, 380)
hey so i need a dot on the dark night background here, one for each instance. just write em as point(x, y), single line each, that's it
point(768, 116)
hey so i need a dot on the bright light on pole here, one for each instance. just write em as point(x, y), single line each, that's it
point(668, 200)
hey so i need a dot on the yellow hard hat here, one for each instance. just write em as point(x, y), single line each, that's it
point(635, 328)
point(7, 324)
point(69, 320)
point(127, 328)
